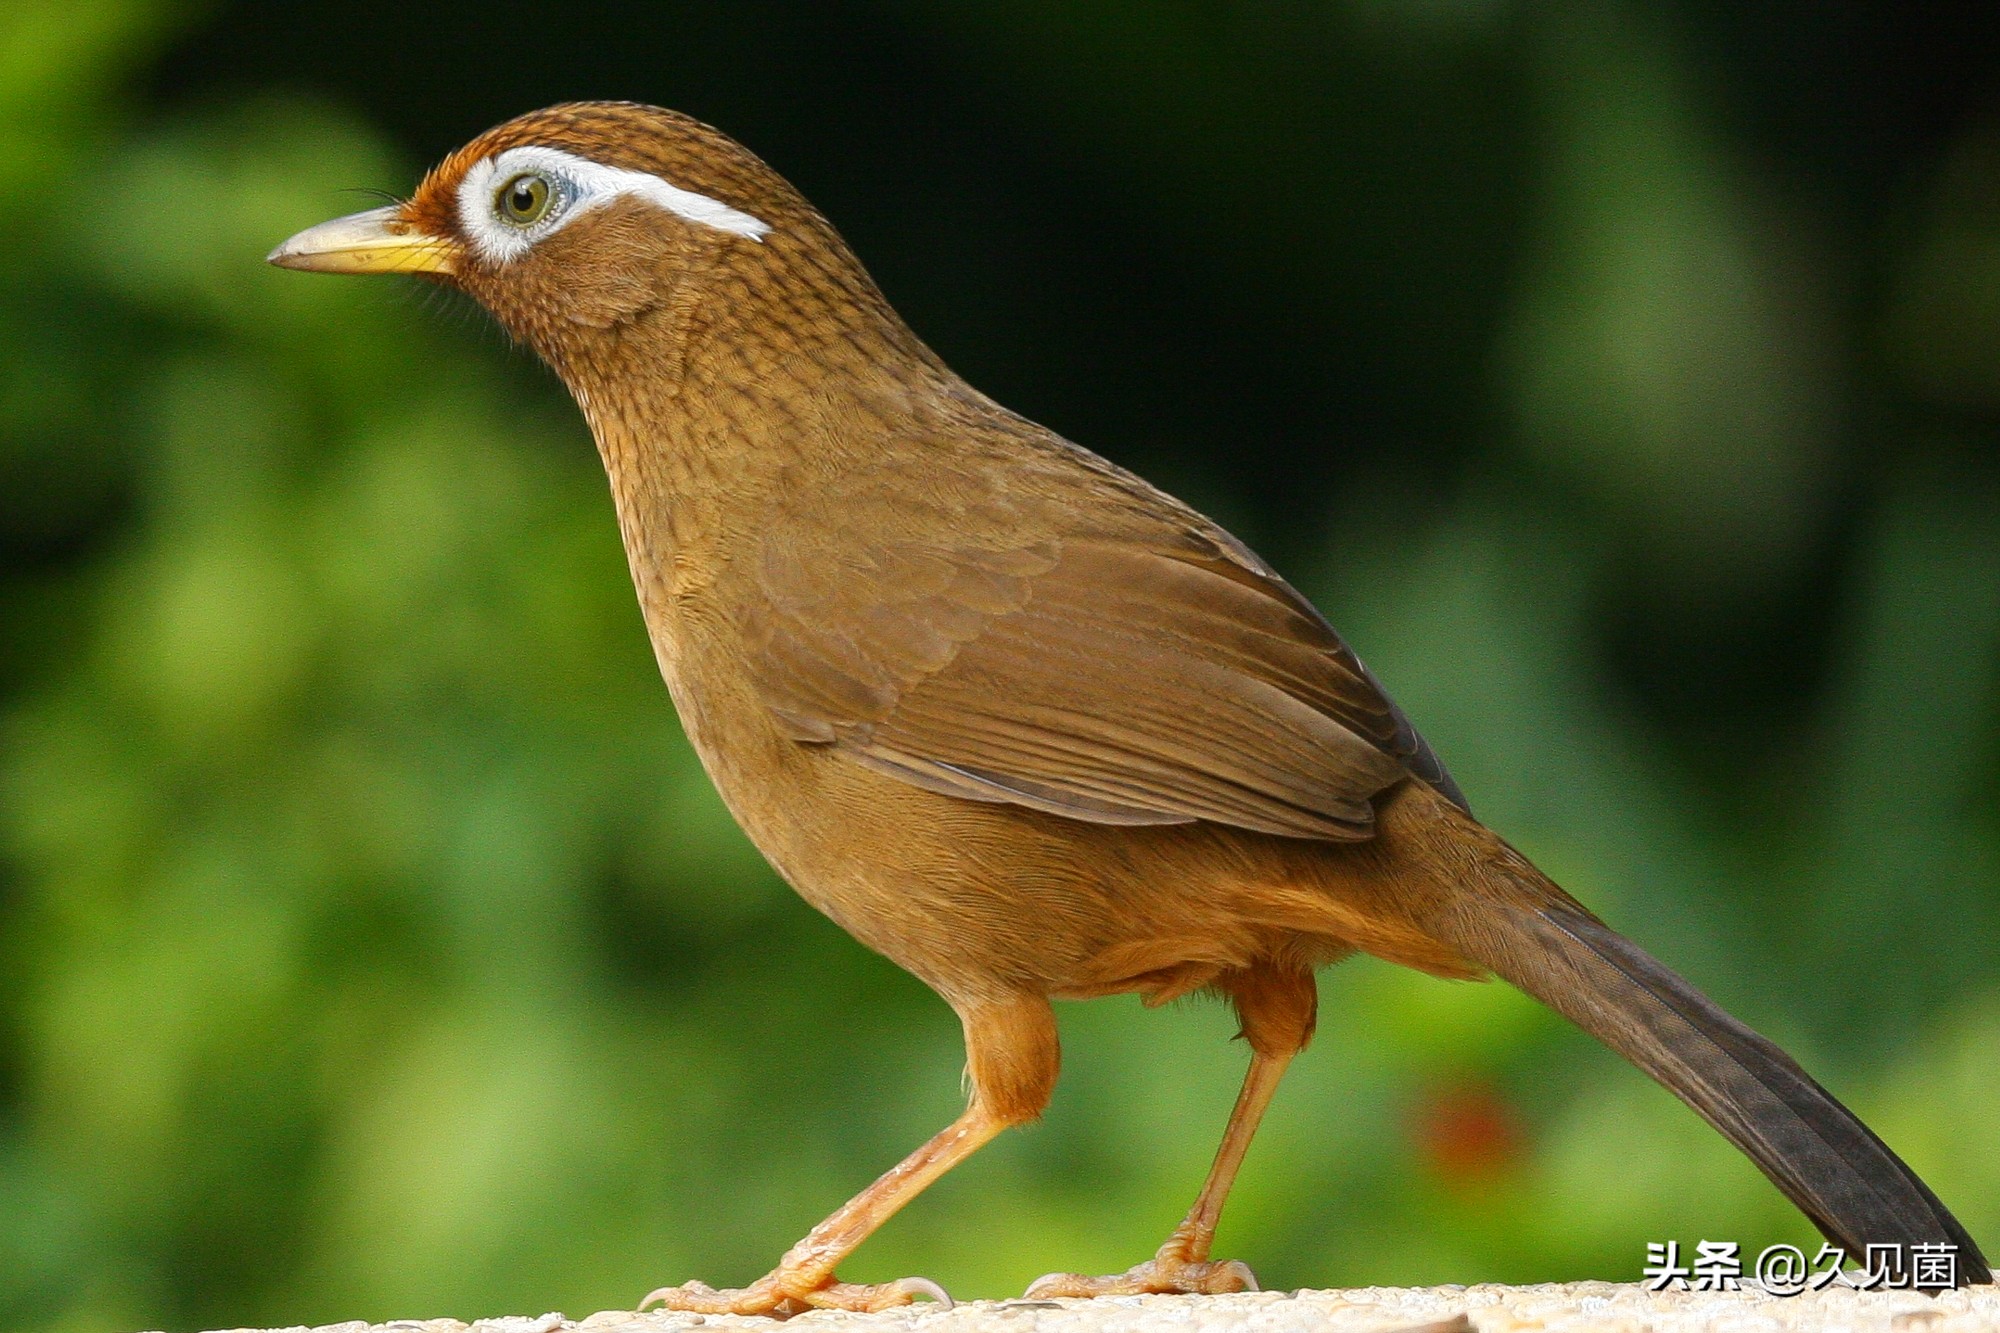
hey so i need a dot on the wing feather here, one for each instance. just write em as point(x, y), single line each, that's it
point(1069, 641)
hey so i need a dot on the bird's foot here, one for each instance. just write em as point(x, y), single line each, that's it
point(1163, 1275)
point(782, 1295)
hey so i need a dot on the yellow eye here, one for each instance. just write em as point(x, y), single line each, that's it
point(524, 200)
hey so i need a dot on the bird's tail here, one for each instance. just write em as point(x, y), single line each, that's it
point(1522, 927)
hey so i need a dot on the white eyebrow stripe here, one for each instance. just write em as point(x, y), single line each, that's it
point(583, 185)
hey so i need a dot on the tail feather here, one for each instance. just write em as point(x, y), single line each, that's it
point(1826, 1161)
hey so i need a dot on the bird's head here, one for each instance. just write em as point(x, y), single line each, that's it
point(578, 219)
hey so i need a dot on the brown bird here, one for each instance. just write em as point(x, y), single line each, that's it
point(1015, 719)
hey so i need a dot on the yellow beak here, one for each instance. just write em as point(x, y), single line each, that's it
point(365, 243)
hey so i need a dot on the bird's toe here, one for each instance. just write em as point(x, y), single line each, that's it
point(776, 1297)
point(1155, 1277)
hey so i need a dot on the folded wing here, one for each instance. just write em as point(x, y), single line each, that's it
point(1106, 656)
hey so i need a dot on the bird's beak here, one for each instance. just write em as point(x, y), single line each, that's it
point(370, 242)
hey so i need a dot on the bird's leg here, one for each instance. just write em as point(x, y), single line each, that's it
point(1182, 1264)
point(1011, 1058)
point(804, 1278)
point(1277, 1011)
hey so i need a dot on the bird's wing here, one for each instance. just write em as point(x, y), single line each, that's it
point(1060, 636)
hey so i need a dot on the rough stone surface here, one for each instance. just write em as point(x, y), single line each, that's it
point(1612, 1307)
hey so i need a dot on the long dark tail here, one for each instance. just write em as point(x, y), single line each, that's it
point(1826, 1161)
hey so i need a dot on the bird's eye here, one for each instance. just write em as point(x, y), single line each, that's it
point(524, 200)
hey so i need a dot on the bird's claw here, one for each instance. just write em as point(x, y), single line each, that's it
point(1155, 1277)
point(913, 1287)
point(778, 1297)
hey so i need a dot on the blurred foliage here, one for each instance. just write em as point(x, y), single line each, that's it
point(370, 943)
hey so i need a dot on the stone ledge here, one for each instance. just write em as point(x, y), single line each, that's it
point(1600, 1307)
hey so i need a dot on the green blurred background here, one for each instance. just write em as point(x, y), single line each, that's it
point(1623, 379)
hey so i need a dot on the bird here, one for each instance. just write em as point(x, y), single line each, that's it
point(1011, 716)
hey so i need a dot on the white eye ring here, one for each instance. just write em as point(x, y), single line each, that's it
point(575, 186)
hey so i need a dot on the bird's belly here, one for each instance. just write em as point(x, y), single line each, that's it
point(980, 900)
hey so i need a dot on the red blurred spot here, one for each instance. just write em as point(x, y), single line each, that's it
point(1466, 1132)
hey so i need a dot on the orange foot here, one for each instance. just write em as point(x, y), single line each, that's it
point(1160, 1276)
point(782, 1295)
